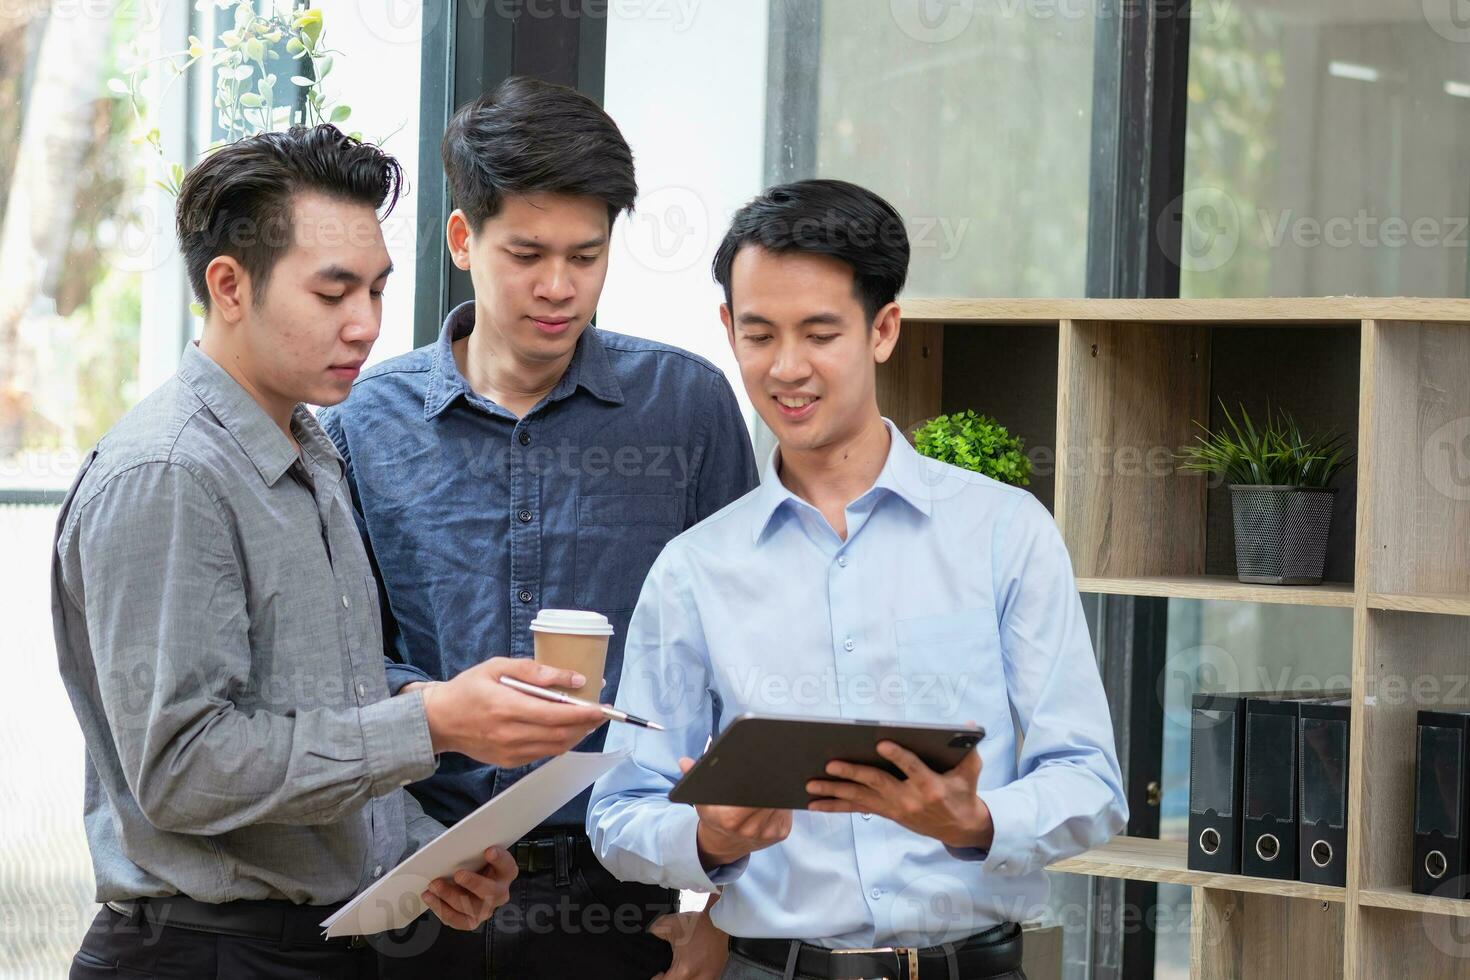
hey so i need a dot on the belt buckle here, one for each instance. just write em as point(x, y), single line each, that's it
point(907, 957)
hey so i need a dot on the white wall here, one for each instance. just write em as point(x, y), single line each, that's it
point(686, 83)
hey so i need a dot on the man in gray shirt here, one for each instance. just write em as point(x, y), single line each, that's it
point(217, 618)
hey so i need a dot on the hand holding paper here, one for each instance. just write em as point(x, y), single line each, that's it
point(468, 898)
point(397, 899)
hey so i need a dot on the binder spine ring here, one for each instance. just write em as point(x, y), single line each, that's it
point(1268, 848)
point(1436, 864)
point(1321, 854)
point(1209, 840)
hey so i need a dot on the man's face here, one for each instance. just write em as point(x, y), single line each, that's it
point(538, 267)
point(306, 340)
point(803, 343)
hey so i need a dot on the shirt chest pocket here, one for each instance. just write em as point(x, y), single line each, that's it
point(952, 667)
point(618, 538)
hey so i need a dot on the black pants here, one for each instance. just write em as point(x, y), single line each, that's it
point(119, 947)
point(583, 923)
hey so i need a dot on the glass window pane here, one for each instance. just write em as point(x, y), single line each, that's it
point(974, 120)
point(1325, 150)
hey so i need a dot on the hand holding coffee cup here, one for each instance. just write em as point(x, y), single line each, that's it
point(575, 640)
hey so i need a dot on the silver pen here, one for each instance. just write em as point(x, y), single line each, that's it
point(607, 710)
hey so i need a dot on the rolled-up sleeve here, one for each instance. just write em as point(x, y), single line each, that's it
point(638, 834)
point(166, 610)
point(1069, 796)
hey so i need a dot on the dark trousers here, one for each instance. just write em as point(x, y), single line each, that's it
point(117, 946)
point(573, 921)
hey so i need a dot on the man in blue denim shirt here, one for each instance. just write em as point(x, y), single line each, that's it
point(528, 460)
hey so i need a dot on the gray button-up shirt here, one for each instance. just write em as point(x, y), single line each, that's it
point(218, 631)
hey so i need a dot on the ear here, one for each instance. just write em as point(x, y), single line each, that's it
point(729, 322)
point(229, 288)
point(885, 332)
point(457, 234)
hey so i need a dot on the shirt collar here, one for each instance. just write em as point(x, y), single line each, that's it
point(903, 476)
point(589, 367)
point(241, 415)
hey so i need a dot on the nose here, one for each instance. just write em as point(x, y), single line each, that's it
point(364, 322)
point(791, 365)
point(556, 285)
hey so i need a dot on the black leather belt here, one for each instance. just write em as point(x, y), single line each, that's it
point(273, 921)
point(552, 850)
point(994, 952)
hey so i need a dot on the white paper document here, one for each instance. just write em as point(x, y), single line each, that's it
point(393, 901)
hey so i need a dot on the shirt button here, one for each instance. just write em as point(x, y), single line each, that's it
point(525, 438)
point(876, 893)
point(842, 561)
point(346, 604)
point(378, 871)
point(848, 644)
point(525, 596)
point(361, 689)
point(525, 516)
point(867, 816)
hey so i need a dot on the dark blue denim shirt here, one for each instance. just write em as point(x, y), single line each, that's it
point(475, 519)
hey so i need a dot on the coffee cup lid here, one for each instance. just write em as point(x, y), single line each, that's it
point(578, 622)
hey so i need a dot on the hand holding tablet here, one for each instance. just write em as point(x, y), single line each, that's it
point(766, 762)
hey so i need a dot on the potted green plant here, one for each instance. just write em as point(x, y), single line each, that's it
point(1279, 494)
point(975, 442)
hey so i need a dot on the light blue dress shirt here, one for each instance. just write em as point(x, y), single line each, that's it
point(952, 600)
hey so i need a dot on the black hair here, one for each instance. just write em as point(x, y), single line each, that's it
point(825, 217)
point(237, 200)
point(529, 136)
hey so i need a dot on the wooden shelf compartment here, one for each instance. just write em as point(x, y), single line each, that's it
point(1418, 402)
point(1401, 898)
point(1224, 587)
point(1130, 395)
point(1241, 936)
point(1409, 661)
point(1143, 859)
point(1312, 310)
point(1443, 604)
point(1394, 942)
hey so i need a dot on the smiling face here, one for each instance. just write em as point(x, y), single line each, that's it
point(538, 266)
point(304, 339)
point(806, 352)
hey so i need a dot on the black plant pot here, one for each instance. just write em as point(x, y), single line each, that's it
point(1281, 533)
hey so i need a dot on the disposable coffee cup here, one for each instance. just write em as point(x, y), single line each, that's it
point(573, 639)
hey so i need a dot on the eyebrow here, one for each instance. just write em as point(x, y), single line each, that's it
point(344, 275)
point(815, 320)
point(518, 242)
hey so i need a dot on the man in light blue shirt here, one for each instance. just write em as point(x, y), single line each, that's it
point(860, 580)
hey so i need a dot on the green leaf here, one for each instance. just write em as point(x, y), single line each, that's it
point(118, 86)
point(251, 100)
point(197, 309)
point(294, 46)
point(302, 81)
point(323, 66)
point(340, 114)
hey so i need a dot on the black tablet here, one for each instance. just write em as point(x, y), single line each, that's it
point(766, 760)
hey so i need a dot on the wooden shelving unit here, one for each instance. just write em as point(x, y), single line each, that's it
point(1112, 388)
